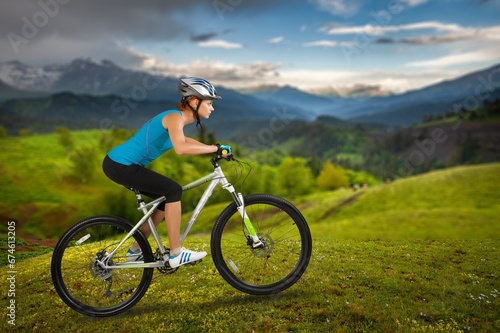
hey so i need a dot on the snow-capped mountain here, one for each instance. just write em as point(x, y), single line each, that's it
point(25, 77)
point(83, 76)
point(104, 78)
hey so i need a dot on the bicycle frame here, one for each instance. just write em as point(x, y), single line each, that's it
point(215, 178)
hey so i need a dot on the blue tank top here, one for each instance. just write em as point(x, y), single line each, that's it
point(151, 141)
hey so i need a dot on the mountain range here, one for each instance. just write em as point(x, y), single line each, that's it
point(87, 93)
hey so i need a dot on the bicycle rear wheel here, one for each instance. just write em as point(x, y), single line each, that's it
point(83, 284)
point(284, 257)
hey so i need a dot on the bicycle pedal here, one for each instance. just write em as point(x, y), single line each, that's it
point(194, 262)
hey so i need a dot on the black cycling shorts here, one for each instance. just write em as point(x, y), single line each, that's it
point(146, 181)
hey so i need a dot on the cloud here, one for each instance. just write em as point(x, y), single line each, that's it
point(413, 3)
point(442, 33)
point(220, 44)
point(344, 8)
point(203, 37)
point(83, 24)
point(385, 40)
point(243, 76)
point(328, 43)
point(425, 40)
point(396, 81)
point(458, 59)
point(216, 71)
point(155, 19)
point(103, 48)
point(457, 34)
point(432, 40)
point(276, 40)
point(39, 31)
point(150, 20)
point(492, 33)
point(381, 30)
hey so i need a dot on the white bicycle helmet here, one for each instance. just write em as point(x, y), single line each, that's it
point(201, 88)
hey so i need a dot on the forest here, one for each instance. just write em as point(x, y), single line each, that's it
point(300, 159)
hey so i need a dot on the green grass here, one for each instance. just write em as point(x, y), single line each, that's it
point(34, 190)
point(417, 255)
point(457, 203)
point(350, 286)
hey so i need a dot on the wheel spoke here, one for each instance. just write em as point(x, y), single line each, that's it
point(279, 263)
point(80, 273)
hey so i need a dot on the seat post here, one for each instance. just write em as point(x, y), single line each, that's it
point(139, 197)
point(140, 201)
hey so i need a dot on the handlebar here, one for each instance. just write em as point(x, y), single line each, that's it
point(216, 158)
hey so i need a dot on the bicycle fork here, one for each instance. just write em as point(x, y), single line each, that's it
point(240, 205)
point(257, 243)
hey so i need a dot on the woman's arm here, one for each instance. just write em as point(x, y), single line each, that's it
point(183, 145)
point(193, 141)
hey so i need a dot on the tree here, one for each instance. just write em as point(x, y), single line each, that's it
point(65, 138)
point(315, 164)
point(360, 177)
point(268, 180)
point(332, 177)
point(211, 138)
point(202, 134)
point(295, 177)
point(83, 163)
point(24, 132)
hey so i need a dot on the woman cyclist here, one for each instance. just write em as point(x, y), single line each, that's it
point(126, 163)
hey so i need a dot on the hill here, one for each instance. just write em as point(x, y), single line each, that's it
point(415, 255)
point(469, 91)
point(455, 203)
point(38, 189)
point(291, 96)
point(104, 78)
point(76, 111)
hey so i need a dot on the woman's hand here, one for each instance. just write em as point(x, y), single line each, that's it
point(224, 150)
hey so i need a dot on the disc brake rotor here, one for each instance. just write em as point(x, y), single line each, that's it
point(97, 270)
point(267, 249)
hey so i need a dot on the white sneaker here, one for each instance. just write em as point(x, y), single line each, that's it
point(134, 256)
point(185, 257)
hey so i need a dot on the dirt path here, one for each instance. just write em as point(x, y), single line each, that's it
point(349, 201)
point(34, 242)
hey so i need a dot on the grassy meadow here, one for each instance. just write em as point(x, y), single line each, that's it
point(350, 286)
point(420, 254)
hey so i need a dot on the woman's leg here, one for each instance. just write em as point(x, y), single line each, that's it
point(154, 185)
point(157, 217)
point(178, 256)
point(173, 221)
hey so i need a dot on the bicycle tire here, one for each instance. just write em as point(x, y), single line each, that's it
point(80, 282)
point(283, 260)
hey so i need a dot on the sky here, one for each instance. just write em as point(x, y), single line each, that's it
point(397, 45)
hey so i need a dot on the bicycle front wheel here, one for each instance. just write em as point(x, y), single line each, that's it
point(79, 276)
point(279, 263)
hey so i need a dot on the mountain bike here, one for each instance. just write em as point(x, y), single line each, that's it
point(260, 244)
